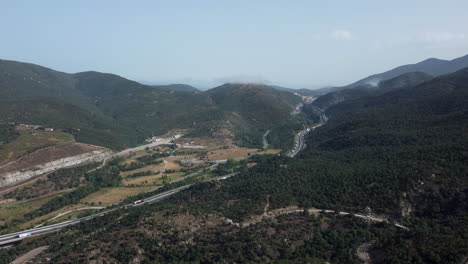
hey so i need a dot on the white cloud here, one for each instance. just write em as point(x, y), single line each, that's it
point(442, 37)
point(242, 79)
point(341, 34)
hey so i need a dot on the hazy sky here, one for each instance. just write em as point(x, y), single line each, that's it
point(291, 43)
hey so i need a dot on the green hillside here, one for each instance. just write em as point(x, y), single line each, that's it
point(432, 66)
point(400, 82)
point(253, 109)
point(260, 103)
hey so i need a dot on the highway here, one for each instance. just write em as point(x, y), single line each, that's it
point(299, 139)
point(299, 142)
point(14, 237)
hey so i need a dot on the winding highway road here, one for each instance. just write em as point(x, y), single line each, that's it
point(299, 139)
point(11, 238)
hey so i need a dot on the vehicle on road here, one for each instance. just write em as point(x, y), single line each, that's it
point(137, 202)
point(23, 235)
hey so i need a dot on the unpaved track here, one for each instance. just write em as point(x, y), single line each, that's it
point(362, 252)
point(28, 256)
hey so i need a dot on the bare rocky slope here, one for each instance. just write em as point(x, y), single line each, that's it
point(48, 160)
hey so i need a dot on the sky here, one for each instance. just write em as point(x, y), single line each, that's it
point(297, 44)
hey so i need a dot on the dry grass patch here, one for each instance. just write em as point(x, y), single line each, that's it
point(47, 155)
point(270, 152)
point(235, 153)
point(108, 196)
point(30, 140)
point(137, 154)
point(171, 165)
point(142, 180)
point(155, 168)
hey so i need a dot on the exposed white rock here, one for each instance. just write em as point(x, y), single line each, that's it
point(19, 176)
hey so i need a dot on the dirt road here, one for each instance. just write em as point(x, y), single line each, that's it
point(28, 256)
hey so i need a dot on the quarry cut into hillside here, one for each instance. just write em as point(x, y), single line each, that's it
point(50, 159)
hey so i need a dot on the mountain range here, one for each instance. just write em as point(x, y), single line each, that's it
point(434, 67)
point(109, 110)
point(400, 77)
point(398, 155)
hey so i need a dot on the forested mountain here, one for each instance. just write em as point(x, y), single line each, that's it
point(252, 109)
point(432, 66)
point(109, 110)
point(402, 154)
point(405, 80)
point(257, 102)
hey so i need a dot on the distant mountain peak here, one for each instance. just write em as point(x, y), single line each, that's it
point(431, 66)
point(429, 60)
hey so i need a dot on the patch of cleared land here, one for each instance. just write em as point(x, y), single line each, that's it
point(222, 154)
point(151, 179)
point(171, 165)
point(269, 152)
point(47, 155)
point(30, 140)
point(155, 168)
point(108, 196)
point(49, 159)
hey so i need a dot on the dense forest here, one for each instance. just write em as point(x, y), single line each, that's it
point(7, 133)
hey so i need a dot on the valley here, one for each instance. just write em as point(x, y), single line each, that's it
point(257, 132)
point(257, 175)
point(143, 169)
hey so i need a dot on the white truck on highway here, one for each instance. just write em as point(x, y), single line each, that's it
point(23, 235)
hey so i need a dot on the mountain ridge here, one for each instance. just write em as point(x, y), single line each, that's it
point(127, 112)
point(431, 66)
